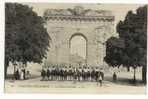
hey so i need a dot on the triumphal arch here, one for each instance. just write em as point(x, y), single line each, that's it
point(63, 24)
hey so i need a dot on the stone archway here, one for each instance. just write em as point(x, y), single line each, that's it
point(86, 47)
point(64, 24)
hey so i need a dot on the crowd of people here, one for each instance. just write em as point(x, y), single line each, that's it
point(22, 74)
point(64, 73)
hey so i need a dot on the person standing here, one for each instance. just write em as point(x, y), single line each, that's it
point(92, 74)
point(53, 72)
point(43, 74)
point(70, 73)
point(97, 74)
point(100, 78)
point(102, 73)
point(66, 73)
point(80, 74)
point(61, 73)
point(57, 73)
point(75, 75)
point(28, 75)
point(114, 77)
point(22, 75)
point(17, 75)
point(48, 73)
point(88, 74)
point(83, 74)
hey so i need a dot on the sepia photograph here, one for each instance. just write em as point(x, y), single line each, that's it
point(75, 48)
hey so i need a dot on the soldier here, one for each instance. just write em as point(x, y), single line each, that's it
point(83, 74)
point(102, 73)
point(48, 73)
point(17, 74)
point(56, 72)
point(85, 70)
point(80, 73)
point(52, 73)
point(59, 73)
point(62, 73)
point(70, 73)
point(96, 73)
point(65, 73)
point(88, 74)
point(92, 74)
point(75, 75)
point(99, 79)
point(43, 74)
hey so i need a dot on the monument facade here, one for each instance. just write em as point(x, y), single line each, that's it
point(96, 26)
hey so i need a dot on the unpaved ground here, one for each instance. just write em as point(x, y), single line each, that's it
point(37, 86)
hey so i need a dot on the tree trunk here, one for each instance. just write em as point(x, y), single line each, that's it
point(128, 69)
point(144, 70)
point(14, 69)
point(5, 75)
point(6, 66)
point(134, 75)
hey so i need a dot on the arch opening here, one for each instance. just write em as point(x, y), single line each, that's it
point(78, 49)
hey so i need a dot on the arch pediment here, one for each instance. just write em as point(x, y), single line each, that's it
point(77, 11)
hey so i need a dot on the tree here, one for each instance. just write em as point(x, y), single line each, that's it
point(133, 31)
point(114, 51)
point(26, 39)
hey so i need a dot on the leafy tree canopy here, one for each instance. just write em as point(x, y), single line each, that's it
point(133, 33)
point(26, 39)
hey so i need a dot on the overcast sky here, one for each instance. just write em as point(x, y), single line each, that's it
point(119, 10)
point(79, 43)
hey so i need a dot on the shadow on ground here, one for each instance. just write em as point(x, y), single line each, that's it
point(125, 81)
point(120, 81)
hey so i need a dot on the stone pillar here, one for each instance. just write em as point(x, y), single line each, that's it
point(93, 54)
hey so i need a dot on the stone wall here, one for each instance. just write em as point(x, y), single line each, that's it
point(95, 29)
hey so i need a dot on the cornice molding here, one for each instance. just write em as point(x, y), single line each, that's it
point(78, 13)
